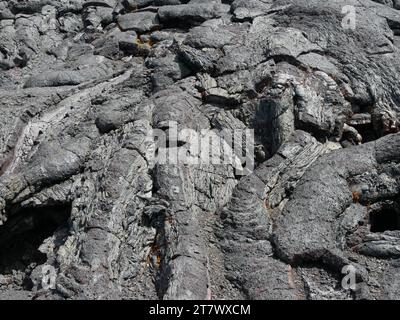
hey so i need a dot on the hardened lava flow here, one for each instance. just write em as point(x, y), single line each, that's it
point(84, 201)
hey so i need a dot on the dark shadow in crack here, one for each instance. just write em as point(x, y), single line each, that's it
point(24, 232)
point(385, 219)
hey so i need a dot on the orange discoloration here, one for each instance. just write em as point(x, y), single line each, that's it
point(356, 197)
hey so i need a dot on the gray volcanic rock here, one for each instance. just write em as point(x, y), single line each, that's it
point(138, 21)
point(191, 13)
point(111, 109)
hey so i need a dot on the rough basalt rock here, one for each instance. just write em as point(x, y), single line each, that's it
point(138, 21)
point(88, 210)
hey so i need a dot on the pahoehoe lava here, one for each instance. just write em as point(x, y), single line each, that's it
point(84, 84)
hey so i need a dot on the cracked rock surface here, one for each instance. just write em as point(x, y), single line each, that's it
point(87, 211)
